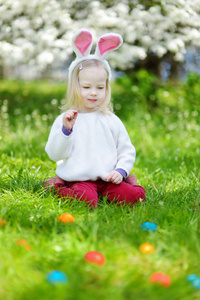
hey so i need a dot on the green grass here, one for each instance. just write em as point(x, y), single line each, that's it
point(167, 165)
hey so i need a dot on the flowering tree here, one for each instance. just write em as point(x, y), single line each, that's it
point(38, 32)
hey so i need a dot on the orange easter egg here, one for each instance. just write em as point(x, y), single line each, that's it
point(160, 278)
point(2, 222)
point(23, 243)
point(66, 218)
point(95, 257)
point(146, 248)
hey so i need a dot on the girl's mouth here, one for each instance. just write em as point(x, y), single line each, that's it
point(92, 100)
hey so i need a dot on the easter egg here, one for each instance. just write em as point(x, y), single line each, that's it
point(149, 226)
point(66, 218)
point(145, 225)
point(56, 277)
point(2, 222)
point(23, 243)
point(163, 279)
point(195, 281)
point(146, 248)
point(191, 277)
point(95, 257)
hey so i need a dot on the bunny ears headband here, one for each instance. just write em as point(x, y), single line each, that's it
point(82, 45)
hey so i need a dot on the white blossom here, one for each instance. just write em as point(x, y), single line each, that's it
point(179, 57)
point(38, 32)
point(159, 50)
point(46, 57)
point(175, 45)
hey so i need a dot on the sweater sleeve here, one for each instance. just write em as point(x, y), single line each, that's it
point(125, 150)
point(59, 145)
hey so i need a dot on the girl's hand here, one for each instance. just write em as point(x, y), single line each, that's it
point(114, 177)
point(69, 119)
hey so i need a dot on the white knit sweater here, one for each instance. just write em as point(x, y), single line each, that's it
point(98, 145)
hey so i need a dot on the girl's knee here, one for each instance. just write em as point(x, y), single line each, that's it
point(128, 194)
point(86, 194)
point(70, 194)
point(91, 200)
point(63, 192)
point(141, 193)
point(136, 195)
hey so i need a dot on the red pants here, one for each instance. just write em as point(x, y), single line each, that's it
point(89, 191)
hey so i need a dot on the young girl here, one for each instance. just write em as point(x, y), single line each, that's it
point(92, 142)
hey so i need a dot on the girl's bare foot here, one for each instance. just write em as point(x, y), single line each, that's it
point(49, 183)
point(131, 179)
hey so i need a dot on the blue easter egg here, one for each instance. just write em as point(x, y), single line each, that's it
point(196, 282)
point(192, 277)
point(145, 225)
point(55, 277)
point(153, 227)
point(149, 226)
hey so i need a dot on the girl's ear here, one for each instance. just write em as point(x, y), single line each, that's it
point(82, 42)
point(107, 43)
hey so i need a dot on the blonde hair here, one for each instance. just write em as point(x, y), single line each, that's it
point(73, 97)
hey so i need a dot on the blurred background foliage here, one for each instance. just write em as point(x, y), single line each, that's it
point(140, 91)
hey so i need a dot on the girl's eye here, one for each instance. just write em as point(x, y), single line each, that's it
point(86, 87)
point(100, 87)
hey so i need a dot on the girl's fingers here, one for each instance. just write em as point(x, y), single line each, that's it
point(117, 178)
point(71, 114)
point(75, 113)
point(117, 181)
point(114, 177)
point(109, 177)
point(69, 119)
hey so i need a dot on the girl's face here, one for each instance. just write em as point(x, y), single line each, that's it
point(92, 82)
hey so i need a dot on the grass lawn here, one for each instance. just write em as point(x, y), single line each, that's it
point(167, 165)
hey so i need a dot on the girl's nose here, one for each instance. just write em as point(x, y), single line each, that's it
point(93, 92)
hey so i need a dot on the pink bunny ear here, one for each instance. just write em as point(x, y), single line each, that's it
point(82, 42)
point(107, 43)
